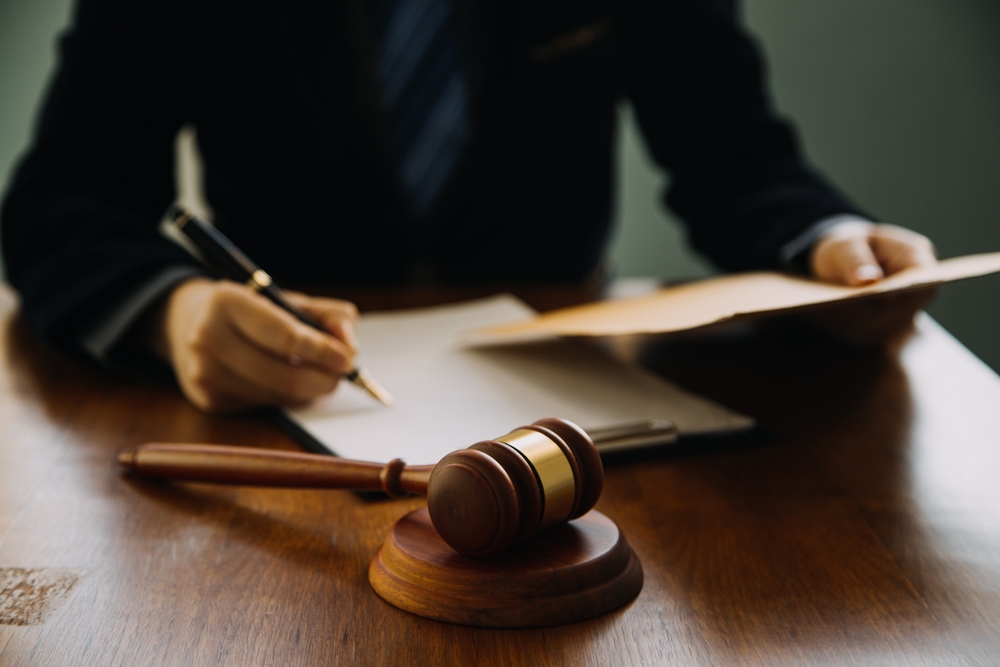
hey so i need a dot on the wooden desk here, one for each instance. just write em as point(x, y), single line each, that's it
point(866, 532)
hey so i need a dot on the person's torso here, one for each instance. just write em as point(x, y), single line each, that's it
point(296, 161)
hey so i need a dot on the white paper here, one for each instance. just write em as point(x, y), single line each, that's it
point(449, 397)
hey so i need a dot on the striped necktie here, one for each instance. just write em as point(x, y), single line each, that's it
point(423, 93)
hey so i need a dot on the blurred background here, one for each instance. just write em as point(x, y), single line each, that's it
point(898, 101)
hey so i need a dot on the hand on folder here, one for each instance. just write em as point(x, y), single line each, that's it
point(860, 253)
point(233, 349)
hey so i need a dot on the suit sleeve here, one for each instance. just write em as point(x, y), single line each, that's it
point(80, 221)
point(738, 179)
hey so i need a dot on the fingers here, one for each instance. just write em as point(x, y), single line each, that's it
point(214, 388)
point(858, 253)
point(280, 334)
point(844, 255)
point(897, 248)
point(337, 316)
point(233, 349)
point(284, 382)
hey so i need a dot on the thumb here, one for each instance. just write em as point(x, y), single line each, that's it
point(847, 260)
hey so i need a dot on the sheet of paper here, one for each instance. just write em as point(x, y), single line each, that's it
point(449, 396)
point(719, 299)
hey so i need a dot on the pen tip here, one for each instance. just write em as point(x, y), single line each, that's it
point(383, 396)
point(376, 390)
point(363, 379)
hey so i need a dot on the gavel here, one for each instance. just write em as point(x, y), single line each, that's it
point(481, 500)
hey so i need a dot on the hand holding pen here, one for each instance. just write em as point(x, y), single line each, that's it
point(236, 345)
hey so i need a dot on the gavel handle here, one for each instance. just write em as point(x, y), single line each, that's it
point(224, 464)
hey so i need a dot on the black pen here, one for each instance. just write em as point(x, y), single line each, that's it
point(221, 254)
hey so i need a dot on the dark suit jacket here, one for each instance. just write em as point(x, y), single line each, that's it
point(283, 97)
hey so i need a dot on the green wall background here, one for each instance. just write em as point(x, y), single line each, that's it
point(897, 100)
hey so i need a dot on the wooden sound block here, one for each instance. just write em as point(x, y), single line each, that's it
point(571, 572)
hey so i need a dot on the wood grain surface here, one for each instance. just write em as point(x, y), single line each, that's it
point(865, 531)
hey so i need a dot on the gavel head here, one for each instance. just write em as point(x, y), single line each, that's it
point(501, 492)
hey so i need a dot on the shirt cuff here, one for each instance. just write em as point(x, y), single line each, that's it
point(794, 255)
point(108, 333)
